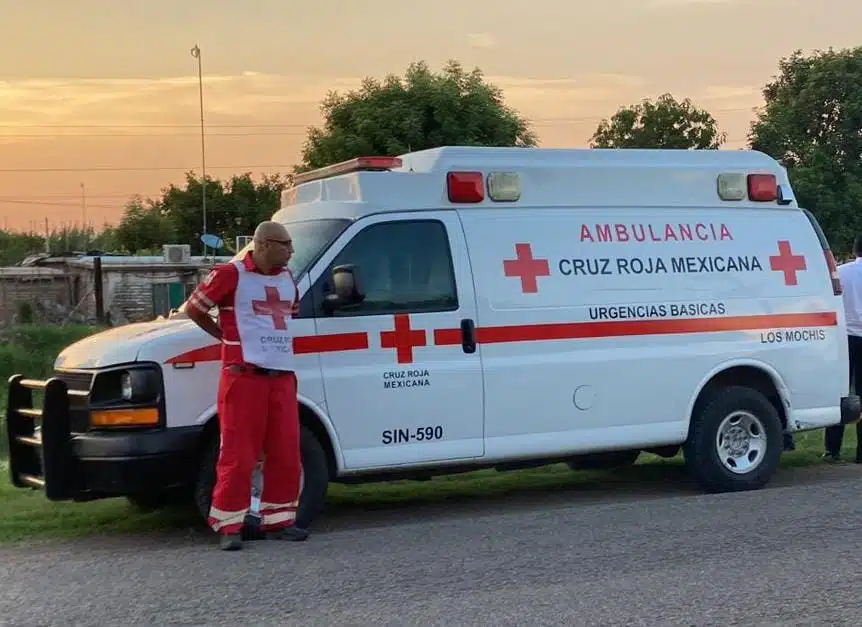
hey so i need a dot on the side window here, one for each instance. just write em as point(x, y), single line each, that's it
point(402, 267)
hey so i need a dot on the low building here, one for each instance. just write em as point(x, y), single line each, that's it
point(134, 288)
point(24, 288)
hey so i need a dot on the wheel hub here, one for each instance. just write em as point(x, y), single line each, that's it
point(741, 442)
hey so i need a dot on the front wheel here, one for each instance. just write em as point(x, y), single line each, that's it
point(735, 441)
point(315, 479)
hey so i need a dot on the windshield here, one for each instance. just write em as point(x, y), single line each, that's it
point(310, 238)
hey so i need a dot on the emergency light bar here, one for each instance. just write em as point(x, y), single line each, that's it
point(359, 164)
point(469, 187)
point(757, 187)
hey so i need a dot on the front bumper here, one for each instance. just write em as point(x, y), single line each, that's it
point(94, 465)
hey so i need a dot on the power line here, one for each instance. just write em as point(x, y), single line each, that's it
point(145, 136)
point(49, 203)
point(551, 120)
point(48, 197)
point(143, 169)
point(184, 168)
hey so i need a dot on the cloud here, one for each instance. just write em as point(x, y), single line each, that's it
point(661, 4)
point(552, 94)
point(252, 97)
point(725, 92)
point(481, 40)
point(136, 101)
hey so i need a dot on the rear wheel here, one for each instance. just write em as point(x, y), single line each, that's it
point(735, 441)
point(315, 479)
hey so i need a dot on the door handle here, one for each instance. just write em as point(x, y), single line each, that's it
point(468, 336)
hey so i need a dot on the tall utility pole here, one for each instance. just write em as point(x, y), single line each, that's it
point(196, 53)
point(84, 215)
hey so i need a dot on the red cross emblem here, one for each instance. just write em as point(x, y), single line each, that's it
point(526, 268)
point(273, 306)
point(403, 339)
point(788, 263)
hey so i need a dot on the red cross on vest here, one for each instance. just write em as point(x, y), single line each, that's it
point(274, 307)
point(403, 339)
point(526, 268)
point(788, 263)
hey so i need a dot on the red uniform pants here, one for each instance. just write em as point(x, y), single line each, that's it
point(258, 413)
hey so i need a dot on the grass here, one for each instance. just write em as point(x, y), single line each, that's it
point(27, 515)
point(30, 349)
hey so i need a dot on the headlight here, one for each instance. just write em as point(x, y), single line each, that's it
point(138, 385)
point(126, 386)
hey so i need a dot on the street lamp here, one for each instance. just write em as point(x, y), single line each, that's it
point(196, 53)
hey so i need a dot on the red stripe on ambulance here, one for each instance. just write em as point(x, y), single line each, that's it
point(206, 353)
point(302, 345)
point(404, 338)
point(623, 328)
point(333, 343)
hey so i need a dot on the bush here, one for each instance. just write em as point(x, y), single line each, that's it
point(31, 349)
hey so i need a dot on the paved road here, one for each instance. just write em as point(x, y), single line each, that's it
point(786, 555)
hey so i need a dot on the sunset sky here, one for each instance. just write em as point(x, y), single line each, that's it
point(105, 94)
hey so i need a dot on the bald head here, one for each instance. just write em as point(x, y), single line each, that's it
point(272, 245)
point(270, 230)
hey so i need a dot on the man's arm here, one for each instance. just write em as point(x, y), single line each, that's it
point(205, 322)
point(211, 293)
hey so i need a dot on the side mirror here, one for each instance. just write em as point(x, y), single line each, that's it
point(345, 289)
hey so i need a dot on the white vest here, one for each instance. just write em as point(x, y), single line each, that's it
point(262, 306)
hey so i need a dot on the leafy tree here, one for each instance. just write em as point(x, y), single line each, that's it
point(422, 110)
point(16, 246)
point(812, 123)
point(234, 207)
point(665, 123)
point(143, 226)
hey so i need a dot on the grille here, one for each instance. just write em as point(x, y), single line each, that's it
point(79, 415)
point(75, 380)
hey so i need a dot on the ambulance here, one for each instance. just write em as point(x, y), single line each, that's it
point(465, 308)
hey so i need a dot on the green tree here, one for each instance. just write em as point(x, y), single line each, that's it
point(143, 226)
point(16, 246)
point(419, 111)
point(234, 207)
point(665, 123)
point(812, 123)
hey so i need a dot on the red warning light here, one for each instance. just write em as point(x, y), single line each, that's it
point(465, 186)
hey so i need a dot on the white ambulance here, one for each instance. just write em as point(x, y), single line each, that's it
point(466, 308)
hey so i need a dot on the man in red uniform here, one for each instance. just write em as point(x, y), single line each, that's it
point(257, 405)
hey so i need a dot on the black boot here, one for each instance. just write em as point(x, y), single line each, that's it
point(230, 542)
point(290, 534)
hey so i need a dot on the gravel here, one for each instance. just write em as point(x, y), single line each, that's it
point(780, 556)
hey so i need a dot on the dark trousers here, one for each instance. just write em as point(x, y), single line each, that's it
point(835, 435)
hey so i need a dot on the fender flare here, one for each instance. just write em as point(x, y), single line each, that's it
point(780, 386)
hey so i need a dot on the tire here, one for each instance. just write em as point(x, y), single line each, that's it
point(611, 460)
point(315, 479)
point(752, 441)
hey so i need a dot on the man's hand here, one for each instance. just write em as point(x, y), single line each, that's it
point(204, 321)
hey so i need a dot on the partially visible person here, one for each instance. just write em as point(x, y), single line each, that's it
point(257, 404)
point(850, 274)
